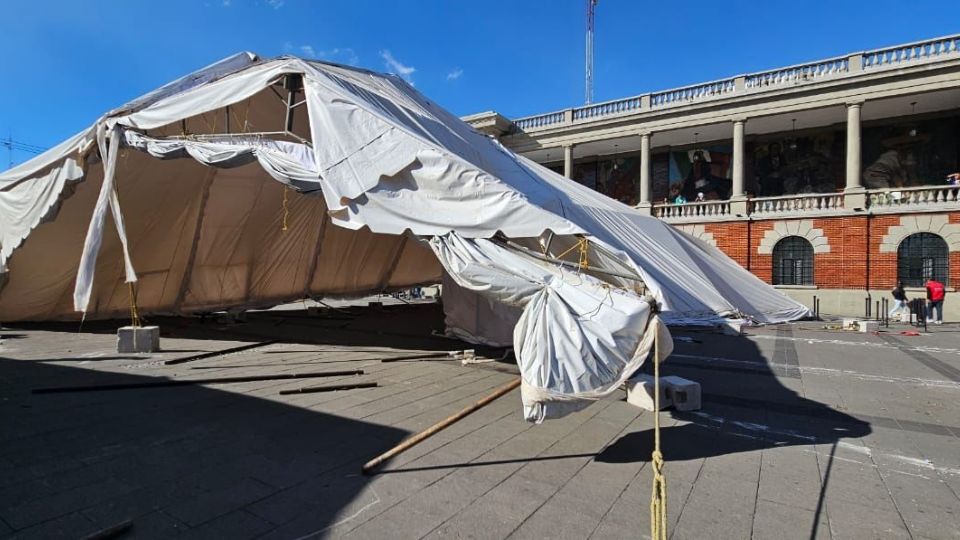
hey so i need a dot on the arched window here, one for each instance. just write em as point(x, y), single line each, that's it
point(922, 256)
point(793, 261)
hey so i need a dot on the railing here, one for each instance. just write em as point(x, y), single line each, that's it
point(541, 120)
point(695, 210)
point(912, 52)
point(801, 73)
point(697, 92)
point(945, 48)
point(791, 204)
point(608, 108)
point(923, 197)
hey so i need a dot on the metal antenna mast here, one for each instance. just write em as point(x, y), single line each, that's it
point(9, 144)
point(588, 94)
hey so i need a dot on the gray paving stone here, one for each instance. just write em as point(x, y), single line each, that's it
point(198, 510)
point(235, 525)
point(776, 521)
point(239, 460)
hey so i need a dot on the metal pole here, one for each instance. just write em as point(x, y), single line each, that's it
point(187, 382)
point(369, 466)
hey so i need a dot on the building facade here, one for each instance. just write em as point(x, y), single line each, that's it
point(830, 179)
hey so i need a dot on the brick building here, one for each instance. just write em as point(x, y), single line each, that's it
point(827, 179)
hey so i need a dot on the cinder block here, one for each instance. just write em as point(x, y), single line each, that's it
point(851, 324)
point(869, 326)
point(731, 328)
point(683, 393)
point(143, 339)
point(640, 392)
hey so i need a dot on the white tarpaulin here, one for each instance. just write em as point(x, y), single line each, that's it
point(251, 183)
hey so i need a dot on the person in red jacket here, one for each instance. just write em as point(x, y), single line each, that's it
point(935, 294)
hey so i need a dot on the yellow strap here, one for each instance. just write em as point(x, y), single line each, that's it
point(286, 209)
point(584, 248)
point(658, 497)
point(134, 312)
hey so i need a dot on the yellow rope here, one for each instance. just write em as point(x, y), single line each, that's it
point(584, 254)
point(286, 209)
point(134, 312)
point(584, 247)
point(658, 497)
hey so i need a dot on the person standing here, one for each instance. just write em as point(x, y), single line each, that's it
point(935, 293)
point(899, 301)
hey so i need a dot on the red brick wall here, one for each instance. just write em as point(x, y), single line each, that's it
point(730, 238)
point(883, 266)
point(847, 266)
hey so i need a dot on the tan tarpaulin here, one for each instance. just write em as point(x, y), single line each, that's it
point(204, 238)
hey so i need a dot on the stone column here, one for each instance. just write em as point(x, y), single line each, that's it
point(854, 197)
point(738, 196)
point(645, 170)
point(738, 191)
point(568, 160)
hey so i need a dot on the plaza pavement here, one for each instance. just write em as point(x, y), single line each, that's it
point(804, 433)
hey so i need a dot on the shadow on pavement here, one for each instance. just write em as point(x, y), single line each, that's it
point(745, 405)
point(211, 462)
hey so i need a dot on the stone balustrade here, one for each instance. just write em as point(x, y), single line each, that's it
point(819, 203)
point(696, 211)
point(798, 74)
point(540, 121)
point(688, 94)
point(919, 198)
point(607, 108)
point(879, 201)
point(933, 50)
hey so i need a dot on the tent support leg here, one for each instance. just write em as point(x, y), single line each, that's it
point(292, 84)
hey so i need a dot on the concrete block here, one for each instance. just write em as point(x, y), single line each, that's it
point(143, 339)
point(640, 393)
point(851, 324)
point(869, 326)
point(683, 393)
point(430, 292)
point(731, 328)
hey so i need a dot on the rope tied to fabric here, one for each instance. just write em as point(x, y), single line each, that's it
point(134, 311)
point(584, 253)
point(286, 208)
point(658, 496)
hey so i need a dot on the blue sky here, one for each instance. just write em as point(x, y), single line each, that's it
point(66, 62)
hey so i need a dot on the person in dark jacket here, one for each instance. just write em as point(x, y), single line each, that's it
point(899, 300)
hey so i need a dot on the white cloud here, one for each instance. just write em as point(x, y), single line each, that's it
point(455, 74)
point(339, 55)
point(397, 67)
point(275, 4)
point(226, 3)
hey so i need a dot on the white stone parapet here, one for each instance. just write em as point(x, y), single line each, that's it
point(704, 211)
point(791, 205)
point(861, 63)
point(943, 197)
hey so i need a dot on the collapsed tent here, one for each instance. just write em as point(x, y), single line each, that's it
point(254, 182)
